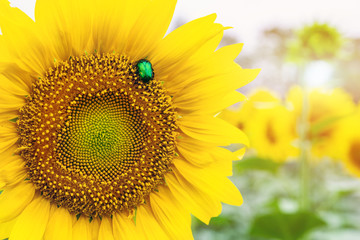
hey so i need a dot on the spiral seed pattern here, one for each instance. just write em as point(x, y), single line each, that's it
point(96, 139)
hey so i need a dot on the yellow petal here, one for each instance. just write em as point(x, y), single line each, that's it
point(32, 222)
point(124, 228)
point(7, 143)
point(202, 154)
point(197, 152)
point(147, 224)
point(111, 30)
point(149, 28)
point(7, 129)
point(207, 92)
point(95, 227)
point(67, 25)
point(5, 228)
point(81, 229)
point(193, 199)
point(11, 104)
point(8, 156)
point(172, 216)
point(12, 87)
point(5, 55)
point(6, 115)
point(8, 135)
point(106, 231)
point(13, 172)
point(59, 226)
point(223, 160)
point(11, 19)
point(205, 65)
point(14, 199)
point(169, 54)
point(20, 78)
point(212, 129)
point(205, 83)
point(228, 100)
point(210, 181)
point(201, 64)
point(239, 154)
point(23, 40)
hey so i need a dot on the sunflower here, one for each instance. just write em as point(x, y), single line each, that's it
point(270, 129)
point(318, 41)
point(107, 127)
point(348, 145)
point(239, 115)
point(272, 133)
point(327, 109)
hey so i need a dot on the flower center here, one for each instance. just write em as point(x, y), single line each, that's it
point(354, 153)
point(103, 136)
point(270, 133)
point(96, 137)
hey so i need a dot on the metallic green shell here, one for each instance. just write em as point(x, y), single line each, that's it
point(145, 70)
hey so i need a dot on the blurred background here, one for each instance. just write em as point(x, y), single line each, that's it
point(300, 176)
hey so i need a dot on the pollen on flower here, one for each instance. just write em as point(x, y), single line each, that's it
point(95, 137)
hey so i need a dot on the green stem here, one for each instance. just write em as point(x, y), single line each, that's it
point(304, 202)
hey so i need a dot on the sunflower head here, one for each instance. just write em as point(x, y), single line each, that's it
point(100, 129)
point(327, 109)
point(271, 128)
point(316, 42)
point(239, 115)
point(108, 128)
point(346, 142)
point(349, 151)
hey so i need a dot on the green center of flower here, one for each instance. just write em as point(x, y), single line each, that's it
point(103, 136)
point(96, 138)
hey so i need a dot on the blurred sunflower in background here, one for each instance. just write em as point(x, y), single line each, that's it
point(107, 128)
point(272, 133)
point(239, 115)
point(327, 109)
point(348, 145)
point(273, 124)
point(315, 42)
point(269, 124)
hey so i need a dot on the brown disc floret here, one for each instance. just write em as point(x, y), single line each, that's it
point(96, 139)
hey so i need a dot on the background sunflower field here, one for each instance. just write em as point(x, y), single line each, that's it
point(300, 177)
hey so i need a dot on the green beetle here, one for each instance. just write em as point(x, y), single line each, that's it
point(145, 70)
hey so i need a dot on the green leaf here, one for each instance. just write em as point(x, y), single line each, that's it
point(221, 222)
point(285, 226)
point(256, 163)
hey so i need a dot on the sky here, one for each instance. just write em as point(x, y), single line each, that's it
point(249, 18)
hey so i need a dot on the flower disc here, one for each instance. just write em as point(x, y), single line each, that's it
point(100, 138)
point(354, 153)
